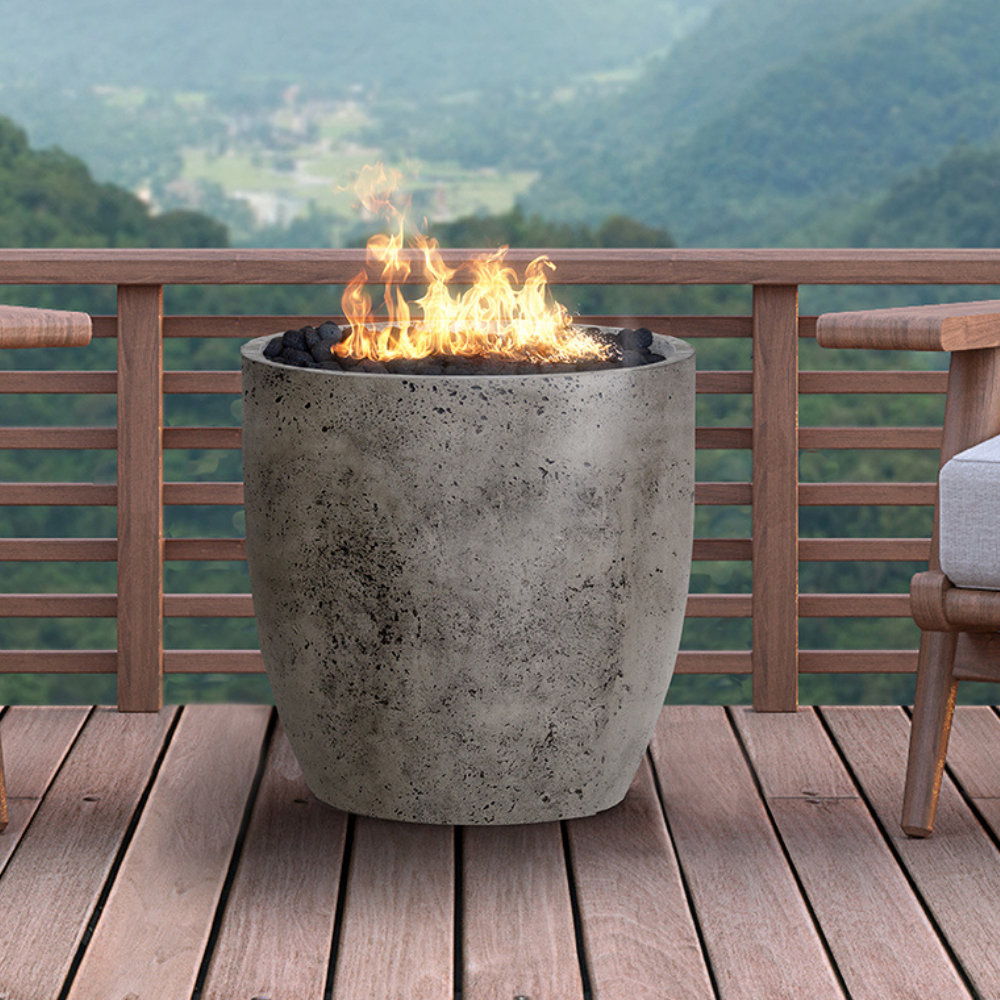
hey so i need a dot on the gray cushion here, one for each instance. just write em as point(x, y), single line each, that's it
point(969, 501)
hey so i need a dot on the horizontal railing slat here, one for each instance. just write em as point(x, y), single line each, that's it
point(106, 549)
point(705, 437)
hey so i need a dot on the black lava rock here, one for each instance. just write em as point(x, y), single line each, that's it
point(330, 331)
point(295, 340)
point(312, 347)
point(320, 351)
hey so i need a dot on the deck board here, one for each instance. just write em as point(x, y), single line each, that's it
point(847, 870)
point(517, 924)
point(957, 870)
point(773, 867)
point(274, 938)
point(637, 929)
point(162, 904)
point(760, 937)
point(54, 879)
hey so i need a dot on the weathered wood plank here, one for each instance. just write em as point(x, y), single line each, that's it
point(160, 909)
point(957, 870)
point(399, 907)
point(517, 919)
point(64, 857)
point(274, 939)
point(791, 755)
point(35, 740)
point(140, 498)
point(760, 937)
point(639, 937)
point(845, 865)
point(775, 498)
point(574, 266)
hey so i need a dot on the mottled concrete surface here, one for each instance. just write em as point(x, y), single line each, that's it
point(469, 590)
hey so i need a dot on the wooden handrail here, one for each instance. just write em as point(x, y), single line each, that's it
point(573, 266)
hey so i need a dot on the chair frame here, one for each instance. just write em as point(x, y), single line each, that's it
point(958, 638)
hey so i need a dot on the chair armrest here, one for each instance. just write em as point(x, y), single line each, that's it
point(21, 327)
point(960, 326)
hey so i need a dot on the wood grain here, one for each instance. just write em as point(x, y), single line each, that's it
point(36, 741)
point(58, 661)
point(4, 814)
point(760, 937)
point(868, 382)
point(710, 661)
point(517, 920)
point(66, 854)
point(194, 494)
point(958, 326)
point(846, 868)
point(58, 382)
point(21, 327)
point(213, 661)
point(864, 549)
point(638, 932)
point(140, 499)
point(867, 494)
point(58, 495)
point(161, 906)
point(275, 935)
point(928, 438)
point(775, 498)
point(854, 605)
point(957, 871)
point(400, 907)
point(858, 661)
point(576, 266)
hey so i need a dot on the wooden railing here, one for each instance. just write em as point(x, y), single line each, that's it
point(773, 492)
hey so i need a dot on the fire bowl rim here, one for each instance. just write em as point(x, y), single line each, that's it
point(679, 350)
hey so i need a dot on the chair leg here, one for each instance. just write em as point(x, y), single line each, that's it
point(933, 709)
point(3, 794)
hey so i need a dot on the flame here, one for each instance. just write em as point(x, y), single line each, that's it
point(493, 317)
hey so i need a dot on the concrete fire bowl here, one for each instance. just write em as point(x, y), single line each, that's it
point(469, 590)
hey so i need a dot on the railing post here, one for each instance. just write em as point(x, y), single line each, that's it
point(775, 498)
point(140, 498)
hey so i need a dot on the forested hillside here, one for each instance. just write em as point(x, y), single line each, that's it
point(395, 46)
point(48, 198)
point(857, 108)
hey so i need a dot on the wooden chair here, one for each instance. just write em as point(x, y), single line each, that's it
point(21, 327)
point(958, 625)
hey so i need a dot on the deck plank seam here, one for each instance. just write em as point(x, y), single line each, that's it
point(234, 859)
point(41, 799)
point(898, 857)
point(786, 854)
point(458, 901)
point(338, 919)
point(685, 885)
point(574, 904)
point(126, 842)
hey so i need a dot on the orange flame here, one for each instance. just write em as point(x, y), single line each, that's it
point(492, 318)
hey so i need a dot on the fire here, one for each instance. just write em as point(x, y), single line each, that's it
point(493, 317)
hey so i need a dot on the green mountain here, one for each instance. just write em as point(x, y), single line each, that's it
point(955, 204)
point(48, 198)
point(869, 99)
point(394, 47)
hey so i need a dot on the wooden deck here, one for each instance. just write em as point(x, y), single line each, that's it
point(757, 856)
